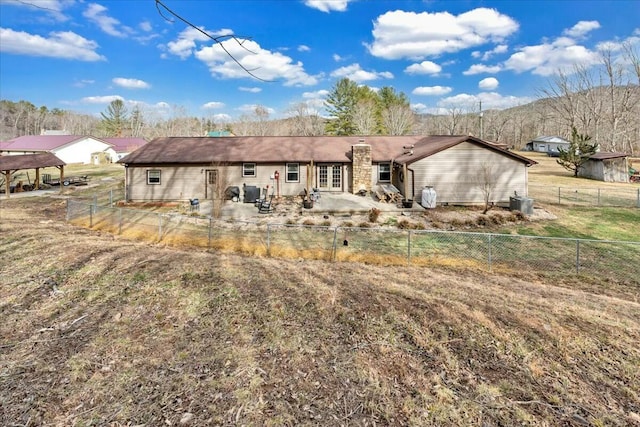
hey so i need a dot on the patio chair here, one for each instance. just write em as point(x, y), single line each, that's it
point(266, 205)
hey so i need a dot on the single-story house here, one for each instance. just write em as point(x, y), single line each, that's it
point(548, 144)
point(72, 148)
point(457, 167)
point(608, 167)
point(121, 147)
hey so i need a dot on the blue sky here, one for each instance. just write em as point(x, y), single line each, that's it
point(79, 55)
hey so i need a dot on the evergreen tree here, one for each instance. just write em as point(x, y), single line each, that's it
point(340, 105)
point(578, 153)
point(115, 119)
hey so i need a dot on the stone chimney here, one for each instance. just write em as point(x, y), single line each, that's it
point(362, 168)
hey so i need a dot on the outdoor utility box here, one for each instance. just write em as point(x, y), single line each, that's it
point(522, 204)
point(251, 193)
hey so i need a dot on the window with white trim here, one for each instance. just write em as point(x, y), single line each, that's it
point(293, 172)
point(384, 172)
point(249, 170)
point(153, 177)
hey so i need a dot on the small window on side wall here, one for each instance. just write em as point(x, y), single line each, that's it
point(293, 172)
point(384, 172)
point(153, 177)
point(249, 170)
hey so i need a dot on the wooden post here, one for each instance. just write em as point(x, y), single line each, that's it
point(406, 181)
point(61, 168)
point(7, 183)
point(37, 186)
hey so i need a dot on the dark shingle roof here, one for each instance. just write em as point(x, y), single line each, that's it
point(29, 161)
point(607, 156)
point(278, 149)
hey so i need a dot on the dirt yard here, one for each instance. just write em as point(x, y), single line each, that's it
point(102, 331)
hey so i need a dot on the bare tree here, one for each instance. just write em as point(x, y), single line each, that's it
point(363, 117)
point(305, 121)
point(398, 119)
point(487, 182)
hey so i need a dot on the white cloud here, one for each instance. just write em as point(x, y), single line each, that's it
point(83, 83)
point(481, 68)
point(431, 90)
point(263, 63)
point(131, 83)
point(53, 8)
point(303, 48)
point(490, 83)
point(250, 89)
point(358, 75)
point(107, 99)
point(501, 48)
point(548, 58)
point(185, 45)
point(490, 101)
point(399, 34)
point(581, 29)
point(145, 26)
point(337, 57)
point(328, 5)
point(317, 94)
point(425, 67)
point(213, 105)
point(64, 45)
point(96, 13)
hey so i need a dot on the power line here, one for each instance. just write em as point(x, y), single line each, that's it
point(160, 6)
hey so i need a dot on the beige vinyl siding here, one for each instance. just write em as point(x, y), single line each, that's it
point(457, 174)
point(181, 183)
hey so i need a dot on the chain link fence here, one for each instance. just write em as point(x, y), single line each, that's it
point(615, 197)
point(616, 260)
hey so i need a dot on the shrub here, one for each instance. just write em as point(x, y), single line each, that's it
point(483, 221)
point(364, 225)
point(374, 214)
point(308, 222)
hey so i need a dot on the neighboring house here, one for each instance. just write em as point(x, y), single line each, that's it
point(123, 146)
point(608, 167)
point(219, 133)
point(548, 144)
point(189, 167)
point(71, 148)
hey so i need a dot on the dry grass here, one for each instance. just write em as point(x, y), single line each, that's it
point(100, 330)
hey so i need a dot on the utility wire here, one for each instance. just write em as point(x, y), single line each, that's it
point(160, 6)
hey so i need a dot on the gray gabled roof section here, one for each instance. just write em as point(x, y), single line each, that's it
point(279, 149)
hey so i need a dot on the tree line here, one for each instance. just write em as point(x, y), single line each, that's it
point(601, 101)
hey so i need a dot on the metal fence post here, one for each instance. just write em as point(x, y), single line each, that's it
point(335, 243)
point(577, 256)
point(559, 197)
point(409, 247)
point(90, 216)
point(598, 197)
point(95, 200)
point(490, 260)
point(120, 221)
point(159, 227)
point(638, 199)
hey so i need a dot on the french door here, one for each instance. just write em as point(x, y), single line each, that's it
point(330, 177)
